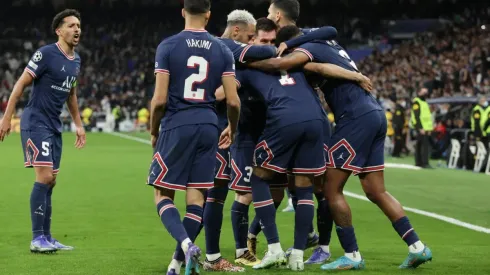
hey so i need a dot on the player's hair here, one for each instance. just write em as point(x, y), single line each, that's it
point(286, 33)
point(290, 8)
point(265, 24)
point(59, 18)
point(195, 7)
point(240, 17)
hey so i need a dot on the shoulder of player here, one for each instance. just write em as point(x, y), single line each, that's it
point(171, 40)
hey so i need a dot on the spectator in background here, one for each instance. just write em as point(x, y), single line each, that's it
point(398, 126)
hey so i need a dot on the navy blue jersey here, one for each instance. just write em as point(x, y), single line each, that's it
point(243, 53)
point(196, 61)
point(54, 73)
point(252, 117)
point(345, 98)
point(288, 97)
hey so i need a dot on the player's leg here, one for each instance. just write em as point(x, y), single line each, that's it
point(372, 181)
point(57, 150)
point(308, 159)
point(348, 149)
point(169, 171)
point(241, 172)
point(324, 222)
point(37, 147)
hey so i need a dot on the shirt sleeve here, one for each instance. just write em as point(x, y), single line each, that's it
point(323, 33)
point(308, 49)
point(38, 63)
point(256, 52)
point(162, 58)
point(229, 62)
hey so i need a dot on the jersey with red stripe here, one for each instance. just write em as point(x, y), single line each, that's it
point(54, 73)
point(195, 62)
point(346, 99)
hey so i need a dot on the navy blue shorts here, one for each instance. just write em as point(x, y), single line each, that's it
point(42, 149)
point(242, 168)
point(358, 144)
point(222, 164)
point(297, 147)
point(185, 158)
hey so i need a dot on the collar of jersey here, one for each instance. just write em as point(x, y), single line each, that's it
point(63, 52)
point(194, 30)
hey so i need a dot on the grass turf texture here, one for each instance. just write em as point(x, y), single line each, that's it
point(102, 207)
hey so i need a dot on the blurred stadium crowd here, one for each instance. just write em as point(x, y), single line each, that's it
point(119, 38)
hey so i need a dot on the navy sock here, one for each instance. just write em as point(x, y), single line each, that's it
point(255, 226)
point(171, 220)
point(406, 231)
point(264, 208)
point(239, 222)
point(303, 216)
point(324, 220)
point(192, 222)
point(47, 215)
point(38, 208)
point(347, 239)
point(213, 217)
point(294, 199)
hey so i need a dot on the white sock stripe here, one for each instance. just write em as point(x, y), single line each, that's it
point(168, 206)
point(193, 217)
point(263, 203)
point(406, 233)
point(306, 202)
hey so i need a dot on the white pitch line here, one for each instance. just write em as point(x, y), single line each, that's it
point(360, 197)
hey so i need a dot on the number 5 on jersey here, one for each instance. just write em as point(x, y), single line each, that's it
point(203, 67)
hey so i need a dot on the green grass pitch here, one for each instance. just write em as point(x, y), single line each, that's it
point(102, 207)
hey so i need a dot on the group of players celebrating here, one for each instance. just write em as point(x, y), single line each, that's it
point(256, 129)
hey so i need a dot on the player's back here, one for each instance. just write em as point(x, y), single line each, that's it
point(288, 96)
point(345, 98)
point(196, 62)
point(54, 74)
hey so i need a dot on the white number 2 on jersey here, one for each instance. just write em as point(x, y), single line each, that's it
point(346, 56)
point(202, 64)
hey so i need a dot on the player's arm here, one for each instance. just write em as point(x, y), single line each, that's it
point(293, 60)
point(25, 80)
point(323, 33)
point(334, 71)
point(256, 52)
point(159, 102)
point(321, 96)
point(72, 105)
point(220, 94)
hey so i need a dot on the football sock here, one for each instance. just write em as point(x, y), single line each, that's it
point(191, 222)
point(303, 216)
point(171, 220)
point(176, 265)
point(240, 251)
point(239, 222)
point(255, 226)
point(347, 239)
point(213, 218)
point(38, 208)
point(324, 220)
point(47, 215)
point(264, 208)
point(407, 233)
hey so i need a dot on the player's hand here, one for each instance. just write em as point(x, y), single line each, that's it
point(4, 128)
point(365, 83)
point(81, 139)
point(281, 49)
point(154, 139)
point(226, 139)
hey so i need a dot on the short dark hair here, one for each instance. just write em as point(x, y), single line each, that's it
point(286, 33)
point(290, 8)
point(197, 6)
point(59, 18)
point(265, 24)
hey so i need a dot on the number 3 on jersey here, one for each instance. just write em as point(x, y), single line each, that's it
point(203, 66)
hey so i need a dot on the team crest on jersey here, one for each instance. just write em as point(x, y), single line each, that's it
point(37, 56)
